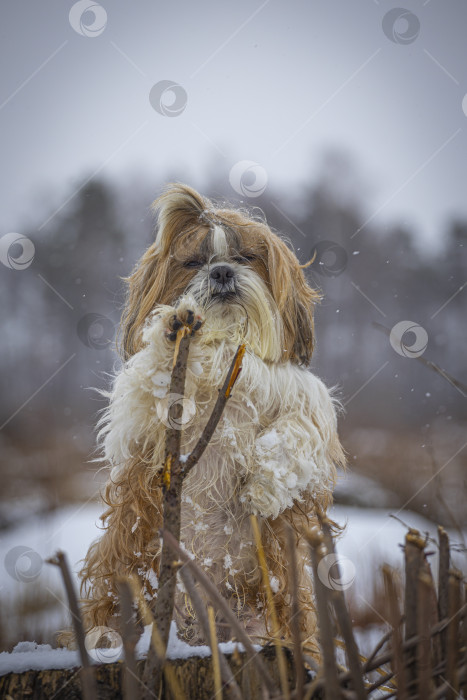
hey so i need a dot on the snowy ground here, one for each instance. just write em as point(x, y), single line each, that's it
point(370, 538)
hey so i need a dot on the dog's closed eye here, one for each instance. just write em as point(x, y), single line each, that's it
point(193, 263)
point(244, 258)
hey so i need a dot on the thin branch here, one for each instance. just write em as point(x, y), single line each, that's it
point(88, 680)
point(428, 363)
point(211, 425)
point(224, 608)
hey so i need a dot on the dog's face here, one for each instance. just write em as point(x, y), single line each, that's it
point(247, 281)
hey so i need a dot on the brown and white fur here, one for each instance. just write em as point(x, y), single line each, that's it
point(275, 450)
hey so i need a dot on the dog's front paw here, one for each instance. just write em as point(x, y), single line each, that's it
point(186, 315)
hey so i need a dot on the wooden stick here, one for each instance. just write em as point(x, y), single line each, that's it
point(424, 684)
point(443, 576)
point(414, 557)
point(317, 551)
point(395, 620)
point(224, 608)
point(221, 667)
point(130, 639)
point(452, 649)
point(88, 681)
point(271, 608)
point(342, 614)
point(295, 614)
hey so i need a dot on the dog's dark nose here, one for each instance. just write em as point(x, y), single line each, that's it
point(222, 274)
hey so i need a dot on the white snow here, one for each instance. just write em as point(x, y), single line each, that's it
point(31, 656)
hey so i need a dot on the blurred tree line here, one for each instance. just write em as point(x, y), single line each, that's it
point(61, 313)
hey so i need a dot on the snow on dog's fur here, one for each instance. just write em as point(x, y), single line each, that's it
point(275, 450)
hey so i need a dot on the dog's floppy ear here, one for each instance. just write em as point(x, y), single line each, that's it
point(295, 300)
point(178, 209)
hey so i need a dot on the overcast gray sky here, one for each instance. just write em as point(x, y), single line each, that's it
point(267, 81)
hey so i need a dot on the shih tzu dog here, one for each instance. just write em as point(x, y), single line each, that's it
point(275, 450)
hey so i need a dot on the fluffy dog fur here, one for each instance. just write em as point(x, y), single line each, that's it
point(275, 450)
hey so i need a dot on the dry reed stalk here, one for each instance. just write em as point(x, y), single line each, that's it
point(88, 681)
point(343, 617)
point(317, 551)
point(271, 609)
point(414, 558)
point(295, 618)
point(130, 639)
point(424, 684)
point(443, 575)
point(216, 667)
point(395, 621)
point(452, 640)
